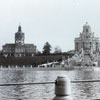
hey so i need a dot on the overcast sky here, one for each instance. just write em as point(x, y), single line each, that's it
point(55, 21)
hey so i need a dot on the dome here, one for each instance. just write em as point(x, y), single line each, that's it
point(86, 28)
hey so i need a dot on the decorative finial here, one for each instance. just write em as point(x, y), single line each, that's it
point(86, 22)
point(19, 29)
point(19, 23)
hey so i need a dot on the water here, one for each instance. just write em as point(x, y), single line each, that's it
point(80, 91)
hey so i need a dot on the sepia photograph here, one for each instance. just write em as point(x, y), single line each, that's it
point(49, 50)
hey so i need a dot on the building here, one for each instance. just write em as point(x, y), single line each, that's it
point(87, 41)
point(19, 48)
point(87, 47)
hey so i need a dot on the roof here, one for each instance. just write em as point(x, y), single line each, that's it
point(9, 45)
point(23, 46)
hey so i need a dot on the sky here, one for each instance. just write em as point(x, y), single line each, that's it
point(58, 22)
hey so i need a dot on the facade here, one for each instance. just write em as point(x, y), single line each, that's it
point(19, 48)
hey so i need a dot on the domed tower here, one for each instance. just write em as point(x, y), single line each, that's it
point(86, 28)
point(87, 37)
point(19, 37)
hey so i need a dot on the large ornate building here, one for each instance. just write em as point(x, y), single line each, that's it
point(87, 41)
point(19, 48)
point(87, 47)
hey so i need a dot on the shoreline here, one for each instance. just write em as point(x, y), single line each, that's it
point(34, 68)
point(57, 68)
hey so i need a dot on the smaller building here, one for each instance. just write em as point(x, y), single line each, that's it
point(19, 48)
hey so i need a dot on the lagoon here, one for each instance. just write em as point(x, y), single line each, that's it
point(80, 91)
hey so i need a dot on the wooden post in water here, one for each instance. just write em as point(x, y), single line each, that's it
point(8, 66)
point(1, 66)
point(16, 66)
point(31, 66)
point(63, 88)
point(23, 66)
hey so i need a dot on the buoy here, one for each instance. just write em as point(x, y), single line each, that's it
point(63, 88)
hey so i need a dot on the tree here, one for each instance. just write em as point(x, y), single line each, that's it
point(46, 49)
point(57, 50)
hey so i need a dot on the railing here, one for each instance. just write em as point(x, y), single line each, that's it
point(62, 86)
point(76, 81)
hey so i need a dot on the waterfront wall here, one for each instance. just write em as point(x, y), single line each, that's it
point(34, 61)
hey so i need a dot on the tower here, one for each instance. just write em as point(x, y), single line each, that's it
point(19, 37)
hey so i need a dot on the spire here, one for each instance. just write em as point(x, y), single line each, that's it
point(86, 22)
point(19, 29)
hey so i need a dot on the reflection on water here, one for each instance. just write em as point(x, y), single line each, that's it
point(80, 91)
